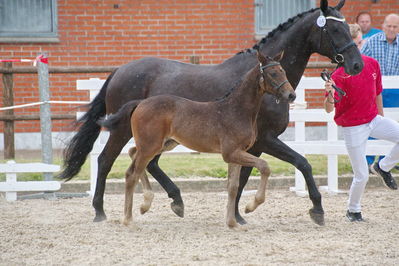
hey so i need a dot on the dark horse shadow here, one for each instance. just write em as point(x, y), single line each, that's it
point(230, 130)
point(299, 37)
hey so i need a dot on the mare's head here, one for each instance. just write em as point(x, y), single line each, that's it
point(331, 37)
point(273, 79)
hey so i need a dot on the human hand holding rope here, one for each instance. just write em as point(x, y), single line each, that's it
point(331, 87)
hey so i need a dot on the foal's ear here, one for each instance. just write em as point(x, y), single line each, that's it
point(261, 58)
point(323, 5)
point(279, 56)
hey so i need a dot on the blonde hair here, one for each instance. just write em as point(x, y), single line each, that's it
point(354, 30)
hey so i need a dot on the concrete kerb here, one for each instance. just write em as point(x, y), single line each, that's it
point(209, 184)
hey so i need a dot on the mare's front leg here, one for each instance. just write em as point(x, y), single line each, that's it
point(117, 140)
point(277, 148)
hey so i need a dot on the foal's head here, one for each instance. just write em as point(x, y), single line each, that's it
point(273, 79)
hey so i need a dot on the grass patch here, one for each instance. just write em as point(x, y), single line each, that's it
point(198, 165)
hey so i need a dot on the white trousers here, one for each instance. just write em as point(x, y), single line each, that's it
point(356, 141)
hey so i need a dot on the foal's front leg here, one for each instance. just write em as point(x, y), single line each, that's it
point(246, 159)
point(232, 188)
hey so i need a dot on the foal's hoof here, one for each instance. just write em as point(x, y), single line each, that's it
point(232, 224)
point(240, 220)
point(317, 216)
point(126, 221)
point(100, 218)
point(178, 208)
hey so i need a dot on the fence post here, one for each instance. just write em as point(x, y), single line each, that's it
point(8, 100)
point(45, 116)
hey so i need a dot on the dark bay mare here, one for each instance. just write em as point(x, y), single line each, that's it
point(230, 129)
point(299, 37)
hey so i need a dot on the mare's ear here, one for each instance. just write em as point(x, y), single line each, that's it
point(324, 5)
point(279, 56)
point(261, 58)
point(340, 5)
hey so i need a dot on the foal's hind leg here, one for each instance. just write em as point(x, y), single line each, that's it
point(130, 184)
point(147, 190)
point(133, 174)
point(147, 193)
point(167, 184)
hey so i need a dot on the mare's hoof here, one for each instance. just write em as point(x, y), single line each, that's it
point(99, 218)
point(240, 220)
point(317, 216)
point(178, 208)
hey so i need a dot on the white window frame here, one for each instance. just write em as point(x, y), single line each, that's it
point(31, 35)
point(261, 31)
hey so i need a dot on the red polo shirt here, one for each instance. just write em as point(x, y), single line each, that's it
point(359, 105)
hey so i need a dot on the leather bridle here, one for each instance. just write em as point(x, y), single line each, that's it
point(338, 56)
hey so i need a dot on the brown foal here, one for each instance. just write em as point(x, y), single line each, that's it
point(226, 126)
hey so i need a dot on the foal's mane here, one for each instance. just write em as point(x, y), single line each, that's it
point(280, 28)
point(229, 91)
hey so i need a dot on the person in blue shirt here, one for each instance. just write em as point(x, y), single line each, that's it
point(363, 19)
point(384, 47)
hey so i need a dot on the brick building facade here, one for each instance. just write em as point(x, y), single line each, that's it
point(111, 33)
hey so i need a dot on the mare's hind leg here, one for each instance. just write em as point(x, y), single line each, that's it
point(117, 140)
point(147, 190)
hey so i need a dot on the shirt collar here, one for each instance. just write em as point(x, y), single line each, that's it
point(383, 38)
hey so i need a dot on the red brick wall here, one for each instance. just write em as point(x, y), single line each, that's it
point(97, 33)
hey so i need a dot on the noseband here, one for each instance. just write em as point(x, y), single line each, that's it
point(322, 23)
point(276, 87)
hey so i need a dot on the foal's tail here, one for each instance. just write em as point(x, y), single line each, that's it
point(82, 143)
point(112, 121)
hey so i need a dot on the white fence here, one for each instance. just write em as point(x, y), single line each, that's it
point(11, 186)
point(331, 146)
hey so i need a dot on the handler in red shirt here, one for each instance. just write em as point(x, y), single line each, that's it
point(360, 115)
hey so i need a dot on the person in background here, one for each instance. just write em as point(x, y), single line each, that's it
point(360, 115)
point(363, 19)
point(384, 47)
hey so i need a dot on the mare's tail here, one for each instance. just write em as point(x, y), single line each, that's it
point(82, 143)
point(112, 121)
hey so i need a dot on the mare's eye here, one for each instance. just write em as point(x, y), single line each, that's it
point(274, 75)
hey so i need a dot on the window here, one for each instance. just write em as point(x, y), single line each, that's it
point(28, 20)
point(270, 13)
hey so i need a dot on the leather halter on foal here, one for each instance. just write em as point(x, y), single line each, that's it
point(276, 87)
point(322, 23)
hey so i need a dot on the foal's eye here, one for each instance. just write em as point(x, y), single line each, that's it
point(274, 75)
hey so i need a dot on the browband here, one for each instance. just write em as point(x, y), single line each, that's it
point(336, 19)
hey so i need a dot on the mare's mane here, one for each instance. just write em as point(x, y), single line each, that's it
point(280, 28)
